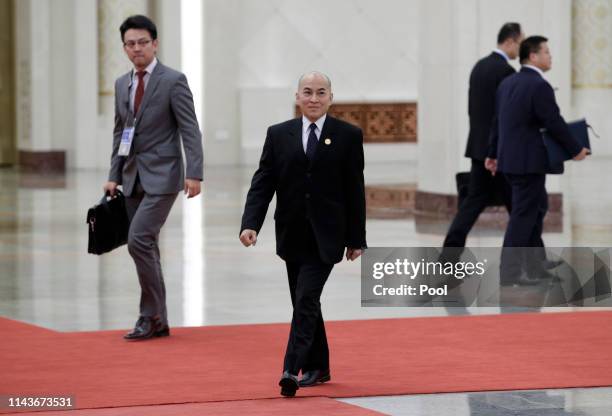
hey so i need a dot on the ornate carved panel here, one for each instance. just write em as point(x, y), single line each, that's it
point(380, 122)
point(591, 45)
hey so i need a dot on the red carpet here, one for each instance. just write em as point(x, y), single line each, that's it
point(369, 358)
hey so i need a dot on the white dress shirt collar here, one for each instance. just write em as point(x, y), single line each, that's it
point(306, 129)
point(502, 53)
point(306, 125)
point(149, 69)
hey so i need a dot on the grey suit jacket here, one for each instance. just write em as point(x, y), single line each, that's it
point(165, 117)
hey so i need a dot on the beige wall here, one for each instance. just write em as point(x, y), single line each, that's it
point(256, 48)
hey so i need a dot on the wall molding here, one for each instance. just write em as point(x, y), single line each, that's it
point(433, 212)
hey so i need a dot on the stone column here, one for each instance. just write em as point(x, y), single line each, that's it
point(34, 109)
point(167, 16)
point(7, 82)
point(592, 68)
point(85, 69)
point(592, 99)
point(55, 83)
point(112, 61)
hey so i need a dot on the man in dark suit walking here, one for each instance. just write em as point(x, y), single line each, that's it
point(314, 164)
point(154, 114)
point(525, 103)
point(486, 76)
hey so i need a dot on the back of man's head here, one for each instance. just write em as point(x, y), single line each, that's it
point(138, 21)
point(530, 45)
point(510, 30)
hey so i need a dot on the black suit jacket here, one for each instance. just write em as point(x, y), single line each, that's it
point(486, 76)
point(525, 104)
point(327, 192)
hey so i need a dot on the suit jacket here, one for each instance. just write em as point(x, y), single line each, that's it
point(525, 103)
point(486, 76)
point(327, 192)
point(166, 116)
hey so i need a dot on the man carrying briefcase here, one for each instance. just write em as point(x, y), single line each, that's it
point(525, 103)
point(154, 113)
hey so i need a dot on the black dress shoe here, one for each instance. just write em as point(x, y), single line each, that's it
point(289, 384)
point(145, 328)
point(163, 332)
point(314, 377)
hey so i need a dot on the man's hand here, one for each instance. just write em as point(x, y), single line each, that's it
point(192, 187)
point(353, 253)
point(491, 165)
point(583, 153)
point(110, 187)
point(248, 237)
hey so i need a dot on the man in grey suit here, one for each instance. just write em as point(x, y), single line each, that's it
point(154, 111)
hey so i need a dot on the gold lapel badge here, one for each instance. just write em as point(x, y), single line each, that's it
point(328, 141)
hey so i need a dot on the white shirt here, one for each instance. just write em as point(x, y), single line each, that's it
point(502, 53)
point(535, 68)
point(306, 129)
point(134, 84)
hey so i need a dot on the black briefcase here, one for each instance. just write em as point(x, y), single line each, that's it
point(108, 224)
point(557, 154)
point(463, 184)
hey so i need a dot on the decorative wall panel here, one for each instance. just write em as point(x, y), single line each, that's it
point(380, 122)
point(592, 44)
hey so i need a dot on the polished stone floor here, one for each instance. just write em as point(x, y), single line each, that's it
point(48, 279)
point(561, 402)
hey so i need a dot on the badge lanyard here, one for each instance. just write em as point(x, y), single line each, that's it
point(127, 137)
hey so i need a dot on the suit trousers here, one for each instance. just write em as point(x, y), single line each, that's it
point(147, 214)
point(482, 186)
point(524, 233)
point(307, 347)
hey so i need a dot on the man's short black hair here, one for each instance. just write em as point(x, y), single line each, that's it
point(138, 21)
point(530, 45)
point(510, 30)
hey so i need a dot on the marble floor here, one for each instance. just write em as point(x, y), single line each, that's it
point(48, 279)
point(560, 402)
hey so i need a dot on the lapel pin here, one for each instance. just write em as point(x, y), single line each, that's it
point(328, 141)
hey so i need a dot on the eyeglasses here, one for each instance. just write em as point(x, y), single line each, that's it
point(130, 44)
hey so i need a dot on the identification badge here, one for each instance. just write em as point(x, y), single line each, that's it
point(126, 141)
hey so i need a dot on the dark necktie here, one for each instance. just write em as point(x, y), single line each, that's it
point(139, 91)
point(312, 142)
